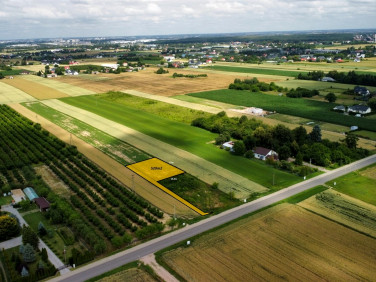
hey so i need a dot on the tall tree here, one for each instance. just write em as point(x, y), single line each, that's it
point(315, 134)
point(29, 237)
point(29, 253)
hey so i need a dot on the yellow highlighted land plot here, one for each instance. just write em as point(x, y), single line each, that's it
point(154, 170)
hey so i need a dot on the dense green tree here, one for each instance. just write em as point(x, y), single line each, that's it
point(372, 103)
point(44, 255)
point(127, 238)
point(8, 227)
point(249, 142)
point(331, 97)
point(29, 237)
point(41, 229)
point(299, 158)
point(282, 134)
point(29, 253)
point(315, 134)
point(284, 152)
point(24, 272)
point(351, 141)
point(239, 148)
point(117, 241)
point(300, 135)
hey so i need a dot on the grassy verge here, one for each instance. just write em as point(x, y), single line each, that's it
point(358, 184)
point(316, 110)
point(129, 266)
point(5, 200)
point(192, 139)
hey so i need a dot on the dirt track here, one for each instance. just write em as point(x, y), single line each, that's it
point(141, 186)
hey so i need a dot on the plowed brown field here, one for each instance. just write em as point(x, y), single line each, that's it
point(149, 82)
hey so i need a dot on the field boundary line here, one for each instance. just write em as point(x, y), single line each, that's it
point(140, 172)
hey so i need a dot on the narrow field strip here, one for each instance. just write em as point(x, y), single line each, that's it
point(154, 170)
point(10, 94)
point(198, 167)
point(54, 83)
point(35, 89)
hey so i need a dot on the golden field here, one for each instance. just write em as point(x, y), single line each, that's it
point(282, 243)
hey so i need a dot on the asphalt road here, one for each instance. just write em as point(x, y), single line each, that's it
point(109, 263)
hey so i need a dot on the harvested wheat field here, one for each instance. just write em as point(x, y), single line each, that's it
point(120, 172)
point(54, 83)
point(132, 274)
point(343, 209)
point(285, 242)
point(157, 84)
point(10, 94)
point(35, 89)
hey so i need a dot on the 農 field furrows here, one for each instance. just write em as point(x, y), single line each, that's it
point(205, 170)
point(343, 209)
point(282, 243)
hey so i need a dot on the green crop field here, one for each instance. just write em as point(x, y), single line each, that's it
point(256, 70)
point(358, 184)
point(115, 148)
point(300, 107)
point(192, 139)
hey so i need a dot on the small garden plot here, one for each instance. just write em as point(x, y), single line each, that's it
point(19, 265)
point(155, 170)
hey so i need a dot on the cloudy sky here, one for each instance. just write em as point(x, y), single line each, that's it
point(77, 18)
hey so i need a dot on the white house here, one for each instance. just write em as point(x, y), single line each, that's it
point(169, 58)
point(359, 109)
point(228, 145)
point(263, 153)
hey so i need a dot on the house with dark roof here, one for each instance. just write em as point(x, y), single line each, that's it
point(42, 203)
point(262, 153)
point(359, 109)
point(359, 90)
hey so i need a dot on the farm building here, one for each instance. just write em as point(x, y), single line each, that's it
point(359, 90)
point(228, 145)
point(359, 109)
point(42, 203)
point(18, 195)
point(262, 153)
point(340, 108)
point(328, 79)
point(30, 193)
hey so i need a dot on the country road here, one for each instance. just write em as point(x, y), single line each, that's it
point(106, 264)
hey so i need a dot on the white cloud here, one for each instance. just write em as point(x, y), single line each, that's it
point(114, 17)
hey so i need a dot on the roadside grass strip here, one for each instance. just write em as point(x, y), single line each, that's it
point(154, 170)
